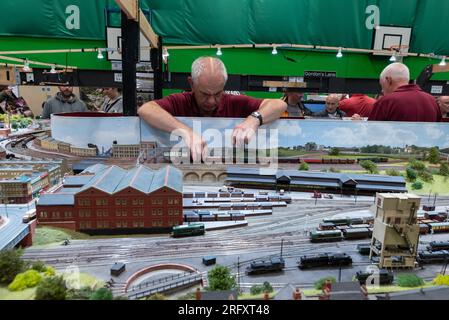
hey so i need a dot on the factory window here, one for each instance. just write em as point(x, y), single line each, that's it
point(68, 214)
point(55, 215)
point(173, 201)
point(141, 224)
point(141, 202)
point(170, 212)
point(44, 214)
point(156, 201)
point(118, 224)
point(124, 224)
point(118, 213)
point(176, 212)
point(101, 202)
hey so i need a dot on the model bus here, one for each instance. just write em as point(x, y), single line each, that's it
point(29, 216)
point(188, 230)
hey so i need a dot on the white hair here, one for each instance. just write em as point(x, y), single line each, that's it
point(202, 63)
point(397, 72)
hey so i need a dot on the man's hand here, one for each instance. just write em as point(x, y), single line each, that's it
point(356, 117)
point(196, 144)
point(245, 131)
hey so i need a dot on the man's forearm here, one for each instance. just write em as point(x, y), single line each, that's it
point(272, 109)
point(160, 119)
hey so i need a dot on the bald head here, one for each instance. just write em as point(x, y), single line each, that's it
point(332, 102)
point(208, 80)
point(394, 76)
point(209, 67)
point(443, 102)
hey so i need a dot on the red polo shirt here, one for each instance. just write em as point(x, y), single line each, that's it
point(407, 103)
point(231, 106)
point(358, 104)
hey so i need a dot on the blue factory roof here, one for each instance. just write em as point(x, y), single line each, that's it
point(56, 199)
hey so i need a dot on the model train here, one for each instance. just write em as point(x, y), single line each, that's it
point(266, 266)
point(437, 246)
point(193, 229)
point(383, 276)
point(324, 260)
point(425, 257)
point(29, 216)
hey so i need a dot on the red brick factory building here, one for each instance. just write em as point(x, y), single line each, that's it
point(111, 200)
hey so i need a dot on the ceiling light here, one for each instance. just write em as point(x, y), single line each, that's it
point(275, 51)
point(53, 69)
point(100, 54)
point(443, 62)
point(219, 53)
point(26, 66)
point(393, 58)
point(339, 54)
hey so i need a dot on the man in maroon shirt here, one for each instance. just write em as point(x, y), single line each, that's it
point(358, 104)
point(207, 99)
point(403, 101)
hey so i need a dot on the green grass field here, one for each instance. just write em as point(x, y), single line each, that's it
point(48, 236)
point(440, 185)
point(27, 294)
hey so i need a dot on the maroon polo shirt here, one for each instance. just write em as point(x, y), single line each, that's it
point(231, 106)
point(407, 103)
point(358, 104)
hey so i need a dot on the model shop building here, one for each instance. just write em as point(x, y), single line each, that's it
point(353, 184)
point(111, 200)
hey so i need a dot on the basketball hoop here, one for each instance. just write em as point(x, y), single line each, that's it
point(399, 49)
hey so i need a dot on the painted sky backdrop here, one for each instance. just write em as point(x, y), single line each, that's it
point(289, 133)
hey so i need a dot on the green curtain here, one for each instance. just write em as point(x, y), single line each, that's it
point(314, 22)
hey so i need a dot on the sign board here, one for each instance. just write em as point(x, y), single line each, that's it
point(114, 41)
point(436, 90)
point(7, 76)
point(320, 74)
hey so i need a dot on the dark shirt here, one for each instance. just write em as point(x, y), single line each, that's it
point(231, 106)
point(324, 114)
point(358, 104)
point(407, 103)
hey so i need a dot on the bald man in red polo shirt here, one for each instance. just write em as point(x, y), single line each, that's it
point(207, 99)
point(403, 101)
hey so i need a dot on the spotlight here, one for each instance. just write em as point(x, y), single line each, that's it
point(100, 55)
point(443, 62)
point(219, 53)
point(53, 69)
point(274, 52)
point(340, 53)
point(393, 58)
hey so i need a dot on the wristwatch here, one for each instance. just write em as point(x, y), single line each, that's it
point(257, 115)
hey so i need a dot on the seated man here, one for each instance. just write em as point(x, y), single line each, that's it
point(113, 101)
point(332, 110)
point(403, 101)
point(207, 99)
point(295, 106)
point(63, 101)
point(443, 103)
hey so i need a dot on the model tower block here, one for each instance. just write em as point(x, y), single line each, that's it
point(396, 231)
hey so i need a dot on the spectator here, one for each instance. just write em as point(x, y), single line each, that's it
point(332, 108)
point(403, 101)
point(443, 103)
point(207, 99)
point(63, 101)
point(113, 102)
point(358, 104)
point(295, 106)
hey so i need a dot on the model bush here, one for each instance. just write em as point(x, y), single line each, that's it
point(101, 294)
point(434, 156)
point(11, 265)
point(27, 279)
point(417, 165)
point(220, 278)
point(444, 169)
point(157, 296)
point(441, 280)
point(426, 176)
point(39, 266)
point(369, 166)
point(256, 289)
point(319, 285)
point(409, 281)
point(418, 185)
point(52, 288)
point(304, 167)
point(393, 172)
point(267, 287)
point(411, 175)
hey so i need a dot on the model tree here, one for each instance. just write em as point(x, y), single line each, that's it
point(303, 167)
point(369, 166)
point(52, 288)
point(220, 278)
point(444, 169)
point(11, 265)
point(334, 152)
point(434, 156)
point(102, 294)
